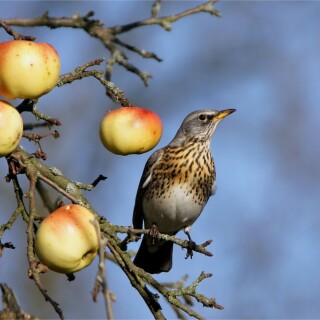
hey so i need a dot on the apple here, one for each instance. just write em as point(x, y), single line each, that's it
point(11, 128)
point(67, 240)
point(130, 130)
point(28, 69)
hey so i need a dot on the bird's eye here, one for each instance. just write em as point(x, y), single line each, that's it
point(202, 117)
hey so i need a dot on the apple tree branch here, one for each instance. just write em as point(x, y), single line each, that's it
point(109, 36)
point(40, 176)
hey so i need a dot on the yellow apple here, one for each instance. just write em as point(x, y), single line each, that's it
point(11, 128)
point(27, 69)
point(67, 240)
point(130, 130)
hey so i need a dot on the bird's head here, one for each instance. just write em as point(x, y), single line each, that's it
point(200, 125)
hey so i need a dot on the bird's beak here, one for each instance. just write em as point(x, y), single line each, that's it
point(222, 114)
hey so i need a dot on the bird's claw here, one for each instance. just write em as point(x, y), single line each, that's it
point(190, 247)
point(154, 233)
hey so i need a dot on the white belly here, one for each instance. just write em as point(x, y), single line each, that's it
point(173, 212)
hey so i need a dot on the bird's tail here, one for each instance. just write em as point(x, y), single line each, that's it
point(156, 260)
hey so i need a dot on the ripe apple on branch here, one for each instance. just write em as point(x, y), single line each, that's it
point(130, 130)
point(28, 69)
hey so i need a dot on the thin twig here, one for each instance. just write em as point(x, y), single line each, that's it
point(44, 195)
point(141, 52)
point(100, 178)
point(14, 34)
point(31, 126)
point(91, 186)
point(107, 36)
point(131, 271)
point(101, 279)
point(39, 153)
point(115, 93)
point(165, 21)
point(19, 210)
point(9, 300)
point(167, 294)
point(19, 197)
point(6, 245)
point(79, 72)
point(34, 271)
point(58, 188)
point(191, 291)
point(29, 105)
point(201, 248)
point(10, 305)
point(11, 221)
point(155, 8)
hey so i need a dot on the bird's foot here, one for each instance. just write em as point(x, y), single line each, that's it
point(191, 244)
point(190, 247)
point(154, 233)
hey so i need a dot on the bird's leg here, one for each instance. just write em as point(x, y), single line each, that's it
point(191, 244)
point(154, 233)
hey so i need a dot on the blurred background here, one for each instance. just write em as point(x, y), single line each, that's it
point(261, 58)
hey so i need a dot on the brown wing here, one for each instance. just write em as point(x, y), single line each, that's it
point(137, 219)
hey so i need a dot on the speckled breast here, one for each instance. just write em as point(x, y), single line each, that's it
point(180, 186)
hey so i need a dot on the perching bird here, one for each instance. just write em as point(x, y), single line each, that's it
point(176, 184)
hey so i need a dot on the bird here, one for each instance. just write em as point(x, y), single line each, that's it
point(175, 185)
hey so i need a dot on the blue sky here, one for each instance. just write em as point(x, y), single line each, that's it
point(261, 58)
